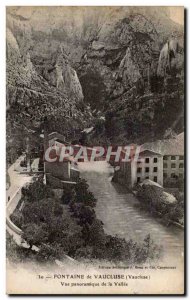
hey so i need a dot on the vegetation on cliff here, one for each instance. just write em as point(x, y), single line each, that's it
point(113, 58)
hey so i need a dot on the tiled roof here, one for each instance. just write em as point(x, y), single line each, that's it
point(174, 146)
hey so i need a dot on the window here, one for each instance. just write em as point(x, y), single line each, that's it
point(165, 175)
point(180, 175)
point(181, 157)
point(155, 178)
point(146, 169)
point(173, 166)
point(173, 175)
point(165, 158)
point(165, 165)
point(139, 170)
point(173, 157)
point(155, 169)
point(155, 159)
point(147, 177)
point(181, 166)
point(138, 179)
point(147, 160)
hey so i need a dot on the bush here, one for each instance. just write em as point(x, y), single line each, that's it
point(83, 195)
point(47, 253)
point(152, 197)
point(68, 194)
point(99, 126)
point(93, 234)
point(35, 234)
point(85, 214)
point(16, 253)
point(147, 251)
point(36, 191)
point(58, 210)
point(17, 218)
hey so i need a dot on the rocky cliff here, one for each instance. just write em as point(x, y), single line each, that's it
point(126, 62)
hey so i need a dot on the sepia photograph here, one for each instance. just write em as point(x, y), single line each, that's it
point(95, 150)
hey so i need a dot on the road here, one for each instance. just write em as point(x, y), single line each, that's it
point(119, 211)
point(17, 181)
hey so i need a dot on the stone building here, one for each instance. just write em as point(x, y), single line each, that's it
point(161, 161)
point(57, 172)
point(172, 151)
point(148, 166)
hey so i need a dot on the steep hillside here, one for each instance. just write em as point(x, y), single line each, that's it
point(54, 92)
point(117, 59)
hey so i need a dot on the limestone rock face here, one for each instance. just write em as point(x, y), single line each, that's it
point(53, 91)
point(67, 79)
point(128, 70)
point(168, 57)
point(111, 58)
point(12, 42)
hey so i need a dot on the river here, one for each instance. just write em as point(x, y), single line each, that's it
point(118, 209)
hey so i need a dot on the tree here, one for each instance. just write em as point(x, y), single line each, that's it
point(58, 210)
point(48, 253)
point(117, 249)
point(93, 233)
point(35, 234)
point(36, 191)
point(45, 227)
point(68, 194)
point(83, 195)
point(99, 125)
point(17, 218)
point(148, 250)
point(16, 253)
point(85, 214)
point(37, 212)
point(49, 225)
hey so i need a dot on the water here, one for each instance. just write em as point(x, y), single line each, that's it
point(119, 211)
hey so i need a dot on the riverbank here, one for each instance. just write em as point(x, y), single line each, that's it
point(121, 215)
point(154, 204)
point(158, 202)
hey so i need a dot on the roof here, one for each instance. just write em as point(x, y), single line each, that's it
point(144, 152)
point(173, 146)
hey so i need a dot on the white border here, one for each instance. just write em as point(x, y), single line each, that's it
point(4, 3)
